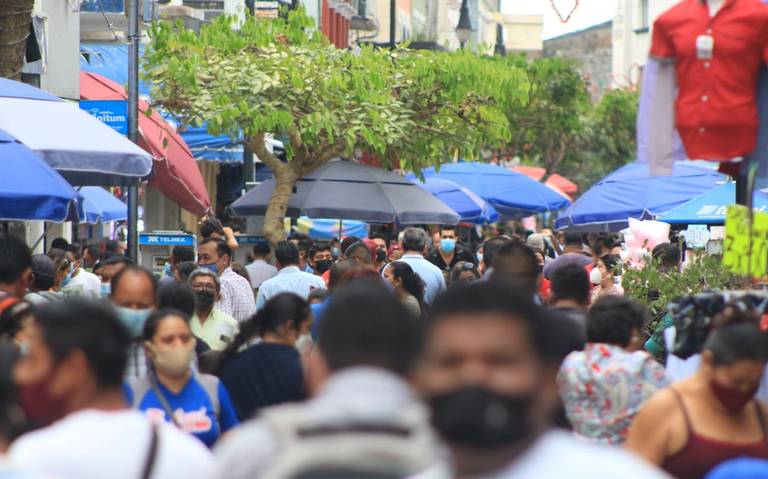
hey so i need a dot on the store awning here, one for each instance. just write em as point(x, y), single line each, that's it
point(176, 173)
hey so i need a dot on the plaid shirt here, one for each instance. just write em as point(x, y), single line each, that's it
point(236, 296)
point(138, 365)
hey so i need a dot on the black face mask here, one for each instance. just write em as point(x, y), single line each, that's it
point(381, 255)
point(323, 265)
point(204, 299)
point(476, 416)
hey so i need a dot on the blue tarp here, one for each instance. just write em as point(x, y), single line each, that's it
point(631, 192)
point(111, 61)
point(101, 205)
point(710, 208)
point(470, 207)
point(511, 193)
point(326, 229)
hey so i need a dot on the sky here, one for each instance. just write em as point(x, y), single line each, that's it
point(588, 13)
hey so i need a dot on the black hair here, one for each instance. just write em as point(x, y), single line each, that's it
point(12, 318)
point(448, 228)
point(286, 253)
point(461, 267)
point(74, 249)
point(113, 246)
point(15, 258)
point(516, 264)
point(180, 254)
point(277, 311)
point(359, 246)
point(60, 260)
point(611, 261)
point(59, 243)
point(91, 327)
point(365, 325)
point(211, 226)
point(572, 239)
point(347, 242)
point(414, 239)
point(222, 248)
point(602, 243)
point(116, 259)
point(668, 254)
point(185, 269)
point(177, 295)
point(613, 318)
point(304, 245)
point(318, 247)
point(570, 281)
point(737, 337)
point(379, 236)
point(412, 282)
point(261, 249)
point(157, 317)
point(93, 250)
point(133, 269)
point(471, 300)
point(338, 271)
point(318, 293)
point(490, 247)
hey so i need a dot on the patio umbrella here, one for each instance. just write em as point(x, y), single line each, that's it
point(101, 206)
point(631, 192)
point(176, 173)
point(470, 207)
point(82, 149)
point(711, 207)
point(29, 188)
point(512, 194)
point(351, 191)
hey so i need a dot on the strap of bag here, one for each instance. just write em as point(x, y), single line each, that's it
point(149, 464)
point(163, 400)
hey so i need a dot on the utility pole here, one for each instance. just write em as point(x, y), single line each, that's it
point(248, 173)
point(392, 23)
point(133, 124)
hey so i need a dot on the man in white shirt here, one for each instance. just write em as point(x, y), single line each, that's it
point(364, 416)
point(73, 374)
point(488, 372)
point(236, 293)
point(82, 283)
point(414, 245)
point(260, 270)
point(290, 278)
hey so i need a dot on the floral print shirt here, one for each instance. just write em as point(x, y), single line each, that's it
point(604, 386)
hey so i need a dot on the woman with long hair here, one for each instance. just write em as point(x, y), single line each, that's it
point(407, 285)
point(270, 371)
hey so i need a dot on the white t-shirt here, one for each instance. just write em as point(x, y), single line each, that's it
point(560, 454)
point(95, 444)
point(84, 284)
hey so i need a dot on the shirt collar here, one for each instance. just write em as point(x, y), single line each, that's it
point(413, 255)
point(289, 270)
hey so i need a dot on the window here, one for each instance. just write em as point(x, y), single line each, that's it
point(643, 17)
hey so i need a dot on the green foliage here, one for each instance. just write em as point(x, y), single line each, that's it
point(657, 289)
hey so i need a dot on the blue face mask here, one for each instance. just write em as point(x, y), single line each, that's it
point(167, 271)
point(447, 245)
point(67, 279)
point(133, 319)
point(211, 267)
point(106, 288)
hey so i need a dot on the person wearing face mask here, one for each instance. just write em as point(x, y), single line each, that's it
point(447, 252)
point(72, 375)
point(108, 269)
point(487, 372)
point(237, 298)
point(605, 277)
point(172, 392)
point(290, 279)
point(364, 419)
point(43, 274)
point(270, 371)
point(320, 258)
point(712, 416)
point(81, 282)
point(134, 295)
point(62, 270)
point(208, 323)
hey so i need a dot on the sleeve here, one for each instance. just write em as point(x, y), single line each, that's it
point(228, 416)
point(260, 300)
point(662, 47)
point(441, 278)
point(226, 303)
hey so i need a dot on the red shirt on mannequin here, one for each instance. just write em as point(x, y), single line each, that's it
point(716, 110)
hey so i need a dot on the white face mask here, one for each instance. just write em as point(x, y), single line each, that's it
point(304, 342)
point(595, 276)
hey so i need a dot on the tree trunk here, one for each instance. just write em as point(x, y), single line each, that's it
point(285, 180)
point(15, 17)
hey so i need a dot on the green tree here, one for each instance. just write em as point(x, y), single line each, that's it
point(411, 109)
point(15, 17)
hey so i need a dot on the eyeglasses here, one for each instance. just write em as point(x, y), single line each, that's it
point(464, 266)
point(204, 287)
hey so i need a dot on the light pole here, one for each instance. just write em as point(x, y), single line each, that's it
point(133, 123)
point(500, 49)
point(464, 28)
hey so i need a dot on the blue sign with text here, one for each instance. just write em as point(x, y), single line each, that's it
point(114, 113)
point(166, 240)
point(249, 239)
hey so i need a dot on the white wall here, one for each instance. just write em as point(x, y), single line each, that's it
point(62, 74)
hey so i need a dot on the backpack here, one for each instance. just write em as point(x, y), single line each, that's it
point(310, 449)
point(140, 387)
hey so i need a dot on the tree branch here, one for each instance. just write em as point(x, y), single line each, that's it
point(259, 147)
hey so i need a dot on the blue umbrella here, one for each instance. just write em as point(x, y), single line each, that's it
point(631, 192)
point(710, 208)
point(470, 207)
point(101, 205)
point(29, 188)
point(509, 192)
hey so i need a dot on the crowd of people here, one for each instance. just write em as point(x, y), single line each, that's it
point(417, 356)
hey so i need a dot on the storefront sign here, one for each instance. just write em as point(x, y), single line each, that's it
point(114, 113)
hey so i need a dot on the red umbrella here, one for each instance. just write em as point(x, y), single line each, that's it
point(535, 172)
point(563, 184)
point(175, 171)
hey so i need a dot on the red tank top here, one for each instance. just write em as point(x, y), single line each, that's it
point(702, 454)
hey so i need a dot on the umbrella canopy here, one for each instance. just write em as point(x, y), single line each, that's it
point(351, 191)
point(29, 188)
point(710, 208)
point(509, 192)
point(175, 173)
point(631, 192)
point(470, 207)
point(82, 149)
point(563, 184)
point(101, 206)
